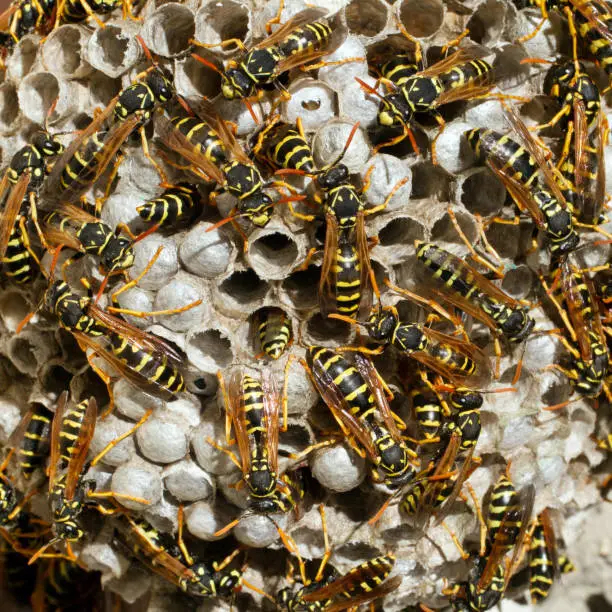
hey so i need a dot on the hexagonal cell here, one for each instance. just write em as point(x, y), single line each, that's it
point(113, 51)
point(421, 18)
point(445, 230)
point(23, 57)
point(400, 231)
point(482, 192)
point(272, 254)
point(195, 78)
point(366, 17)
point(170, 29)
point(243, 288)
point(209, 349)
point(63, 52)
point(487, 22)
point(36, 94)
point(301, 287)
point(273, 321)
point(219, 21)
point(430, 181)
point(13, 309)
point(313, 101)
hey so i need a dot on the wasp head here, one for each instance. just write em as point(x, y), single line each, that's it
point(235, 83)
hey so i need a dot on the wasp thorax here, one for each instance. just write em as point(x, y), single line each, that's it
point(333, 177)
point(381, 324)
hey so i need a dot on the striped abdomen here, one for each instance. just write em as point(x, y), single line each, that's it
point(70, 309)
point(35, 444)
point(18, 261)
point(156, 370)
point(461, 75)
point(510, 154)
point(70, 428)
point(203, 138)
point(310, 37)
point(504, 520)
point(82, 166)
point(176, 203)
point(541, 568)
point(289, 149)
point(347, 271)
point(367, 576)
point(274, 330)
point(427, 411)
point(597, 44)
point(345, 376)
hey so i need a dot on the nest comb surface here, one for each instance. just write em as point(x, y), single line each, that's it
point(168, 460)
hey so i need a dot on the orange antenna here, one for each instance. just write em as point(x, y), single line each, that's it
point(206, 63)
point(536, 60)
point(251, 111)
point(146, 50)
point(185, 105)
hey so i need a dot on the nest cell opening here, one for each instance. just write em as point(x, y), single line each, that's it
point(23, 57)
point(517, 281)
point(421, 18)
point(445, 230)
point(483, 193)
point(302, 287)
point(321, 330)
point(22, 353)
point(209, 350)
point(400, 231)
point(430, 181)
point(173, 27)
point(487, 21)
point(38, 92)
point(63, 50)
point(56, 379)
point(228, 20)
point(275, 250)
point(204, 80)
point(366, 17)
point(244, 287)
point(9, 107)
point(113, 45)
point(13, 309)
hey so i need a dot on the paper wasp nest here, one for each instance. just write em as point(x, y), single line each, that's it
point(169, 460)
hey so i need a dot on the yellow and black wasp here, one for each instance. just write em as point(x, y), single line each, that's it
point(345, 286)
point(589, 20)
point(355, 395)
point(330, 592)
point(468, 290)
point(19, 189)
point(206, 141)
point(574, 298)
point(252, 407)
point(273, 328)
point(90, 153)
point(529, 178)
point(169, 558)
point(543, 559)
point(176, 204)
point(302, 39)
point(415, 89)
point(69, 493)
point(504, 530)
point(455, 360)
point(31, 439)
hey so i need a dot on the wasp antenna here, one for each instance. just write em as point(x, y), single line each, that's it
point(185, 105)
point(251, 111)
point(210, 65)
point(223, 222)
point(146, 50)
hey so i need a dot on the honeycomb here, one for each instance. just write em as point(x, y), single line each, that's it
point(169, 461)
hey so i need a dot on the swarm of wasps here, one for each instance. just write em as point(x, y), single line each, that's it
point(422, 464)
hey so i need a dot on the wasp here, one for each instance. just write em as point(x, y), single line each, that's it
point(355, 394)
point(208, 144)
point(176, 203)
point(589, 19)
point(577, 306)
point(90, 153)
point(31, 439)
point(456, 360)
point(302, 39)
point(529, 179)
point(414, 89)
point(274, 330)
point(170, 558)
point(69, 492)
point(252, 407)
point(582, 164)
point(330, 592)
point(19, 189)
point(470, 291)
point(345, 286)
point(504, 530)
point(75, 228)
point(543, 563)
